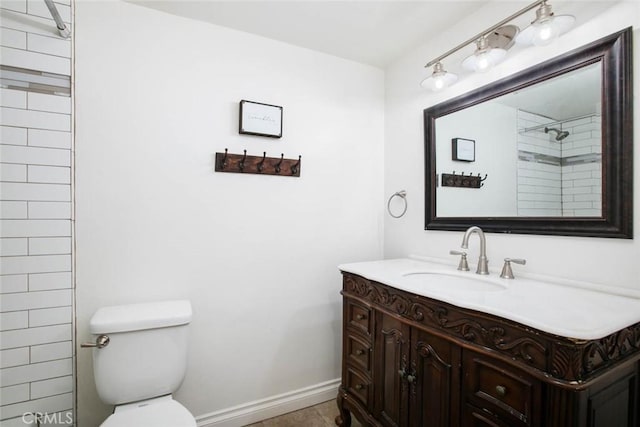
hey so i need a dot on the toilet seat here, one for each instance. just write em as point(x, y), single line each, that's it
point(158, 412)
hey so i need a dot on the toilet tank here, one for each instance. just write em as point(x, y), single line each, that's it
point(147, 352)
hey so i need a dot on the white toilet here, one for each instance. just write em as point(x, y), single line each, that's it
point(143, 362)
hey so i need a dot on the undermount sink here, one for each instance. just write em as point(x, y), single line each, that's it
point(442, 280)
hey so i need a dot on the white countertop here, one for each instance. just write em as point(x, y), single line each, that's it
point(565, 308)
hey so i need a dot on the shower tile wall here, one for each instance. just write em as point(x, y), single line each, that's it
point(539, 169)
point(36, 287)
point(582, 168)
point(559, 179)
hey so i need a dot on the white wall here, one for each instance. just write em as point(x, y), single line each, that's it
point(36, 317)
point(606, 261)
point(157, 96)
point(490, 125)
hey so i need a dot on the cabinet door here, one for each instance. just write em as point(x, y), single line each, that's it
point(434, 394)
point(391, 358)
point(615, 405)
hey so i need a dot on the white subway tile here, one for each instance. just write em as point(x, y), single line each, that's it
point(588, 197)
point(51, 103)
point(51, 387)
point(14, 394)
point(13, 283)
point(13, 38)
point(14, 320)
point(13, 173)
point(576, 175)
point(54, 351)
point(34, 336)
point(35, 155)
point(37, 192)
point(35, 228)
point(14, 246)
point(49, 245)
point(39, 8)
point(13, 135)
point(15, 5)
point(50, 281)
point(34, 300)
point(36, 264)
point(13, 210)
point(50, 316)
point(13, 98)
point(35, 119)
point(34, 60)
point(49, 138)
point(50, 174)
point(49, 45)
point(49, 210)
point(14, 357)
point(59, 403)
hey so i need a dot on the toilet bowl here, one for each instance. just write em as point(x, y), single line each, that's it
point(140, 360)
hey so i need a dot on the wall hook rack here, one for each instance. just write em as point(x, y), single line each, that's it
point(462, 180)
point(262, 165)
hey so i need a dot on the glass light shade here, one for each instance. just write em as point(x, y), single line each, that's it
point(483, 60)
point(439, 80)
point(545, 32)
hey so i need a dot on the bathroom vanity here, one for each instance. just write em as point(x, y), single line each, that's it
point(423, 347)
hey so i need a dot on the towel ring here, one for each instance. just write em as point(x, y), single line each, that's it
point(403, 195)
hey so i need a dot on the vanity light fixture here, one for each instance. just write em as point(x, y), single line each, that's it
point(440, 78)
point(546, 27)
point(492, 44)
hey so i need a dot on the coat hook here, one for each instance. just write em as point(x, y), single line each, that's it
point(261, 162)
point(224, 160)
point(483, 179)
point(294, 168)
point(241, 162)
point(279, 163)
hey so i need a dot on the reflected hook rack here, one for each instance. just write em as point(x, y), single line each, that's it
point(261, 165)
point(462, 180)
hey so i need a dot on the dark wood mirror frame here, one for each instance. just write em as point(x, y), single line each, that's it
point(615, 54)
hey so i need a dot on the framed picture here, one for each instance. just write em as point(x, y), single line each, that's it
point(463, 150)
point(260, 119)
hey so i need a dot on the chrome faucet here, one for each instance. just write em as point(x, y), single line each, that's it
point(483, 262)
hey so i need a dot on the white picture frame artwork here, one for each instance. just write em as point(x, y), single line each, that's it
point(260, 119)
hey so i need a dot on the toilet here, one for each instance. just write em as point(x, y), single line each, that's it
point(142, 363)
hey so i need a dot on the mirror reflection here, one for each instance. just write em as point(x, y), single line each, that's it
point(539, 147)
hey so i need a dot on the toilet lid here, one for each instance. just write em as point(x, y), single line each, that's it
point(168, 413)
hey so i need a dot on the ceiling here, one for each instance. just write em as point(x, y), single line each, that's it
point(372, 32)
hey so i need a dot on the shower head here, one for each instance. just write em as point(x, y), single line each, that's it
point(560, 134)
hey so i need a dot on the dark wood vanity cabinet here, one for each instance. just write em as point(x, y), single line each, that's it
point(411, 361)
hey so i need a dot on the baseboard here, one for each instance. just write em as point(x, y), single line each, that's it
point(253, 412)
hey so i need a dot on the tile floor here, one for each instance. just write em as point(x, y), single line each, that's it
point(321, 415)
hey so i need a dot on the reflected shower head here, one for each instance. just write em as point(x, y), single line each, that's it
point(560, 134)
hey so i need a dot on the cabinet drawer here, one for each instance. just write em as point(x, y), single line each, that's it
point(359, 386)
point(501, 389)
point(359, 317)
point(359, 352)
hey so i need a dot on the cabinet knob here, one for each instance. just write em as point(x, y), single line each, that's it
point(360, 316)
point(501, 390)
point(359, 386)
point(360, 352)
point(411, 379)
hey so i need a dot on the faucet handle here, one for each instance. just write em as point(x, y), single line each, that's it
point(507, 272)
point(463, 265)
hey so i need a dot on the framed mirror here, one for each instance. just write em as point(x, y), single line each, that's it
point(552, 149)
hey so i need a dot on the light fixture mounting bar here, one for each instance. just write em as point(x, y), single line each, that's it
point(485, 32)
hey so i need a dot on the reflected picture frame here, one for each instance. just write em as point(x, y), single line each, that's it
point(257, 118)
point(463, 150)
